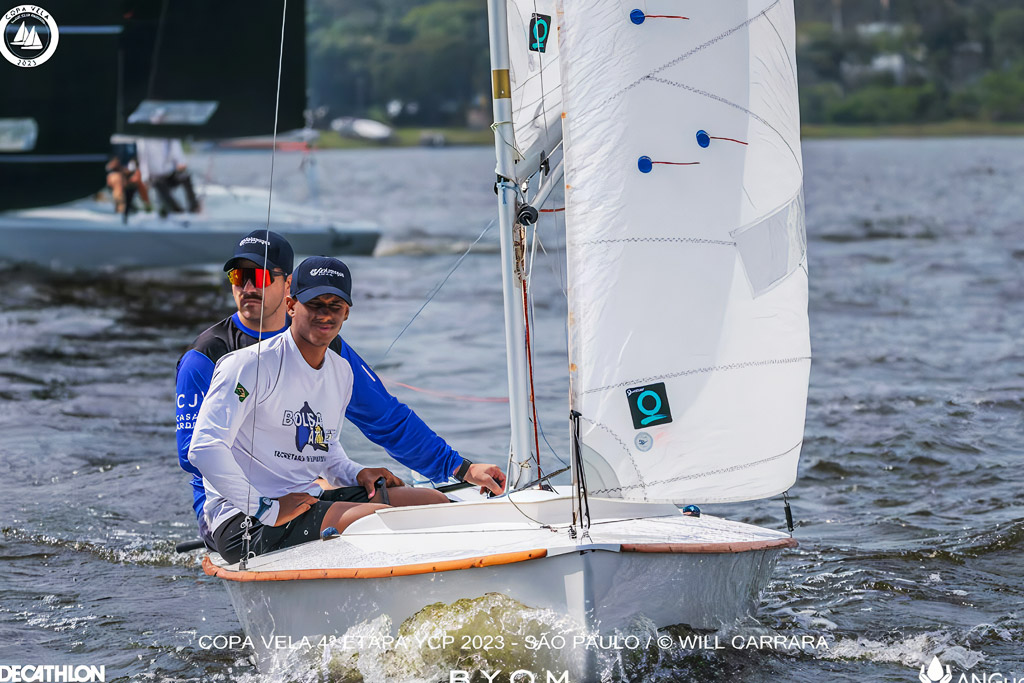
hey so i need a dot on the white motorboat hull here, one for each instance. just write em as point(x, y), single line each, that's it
point(602, 583)
point(87, 233)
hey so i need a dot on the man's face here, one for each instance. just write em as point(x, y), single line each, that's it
point(253, 301)
point(319, 320)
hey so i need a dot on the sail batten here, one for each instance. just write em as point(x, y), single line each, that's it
point(686, 248)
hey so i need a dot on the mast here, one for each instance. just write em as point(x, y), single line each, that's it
point(512, 242)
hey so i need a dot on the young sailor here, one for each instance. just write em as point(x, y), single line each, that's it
point(260, 272)
point(270, 426)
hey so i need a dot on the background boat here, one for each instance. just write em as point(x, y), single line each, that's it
point(151, 69)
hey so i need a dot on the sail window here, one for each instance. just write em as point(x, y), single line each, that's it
point(173, 113)
point(18, 135)
point(773, 247)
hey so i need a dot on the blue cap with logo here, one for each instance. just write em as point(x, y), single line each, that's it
point(253, 246)
point(321, 275)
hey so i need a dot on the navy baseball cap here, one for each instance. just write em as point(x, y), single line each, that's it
point(321, 275)
point(252, 247)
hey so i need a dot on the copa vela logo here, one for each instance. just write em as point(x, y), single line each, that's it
point(935, 672)
point(52, 673)
point(28, 35)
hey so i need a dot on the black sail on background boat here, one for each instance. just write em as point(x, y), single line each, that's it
point(151, 68)
point(56, 119)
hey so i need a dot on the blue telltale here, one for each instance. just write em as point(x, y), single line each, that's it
point(644, 164)
point(328, 532)
point(637, 17)
point(703, 139)
point(691, 511)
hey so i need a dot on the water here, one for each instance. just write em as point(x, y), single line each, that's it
point(908, 498)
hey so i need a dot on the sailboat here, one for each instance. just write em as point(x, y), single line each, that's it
point(122, 73)
point(689, 349)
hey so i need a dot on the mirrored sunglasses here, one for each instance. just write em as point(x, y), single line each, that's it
point(260, 277)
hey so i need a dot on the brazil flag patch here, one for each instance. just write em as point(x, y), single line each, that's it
point(241, 392)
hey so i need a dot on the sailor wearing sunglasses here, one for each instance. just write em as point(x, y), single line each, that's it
point(259, 284)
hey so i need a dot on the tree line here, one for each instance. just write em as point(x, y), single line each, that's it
point(425, 62)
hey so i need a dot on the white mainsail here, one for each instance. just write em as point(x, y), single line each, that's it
point(685, 246)
point(534, 74)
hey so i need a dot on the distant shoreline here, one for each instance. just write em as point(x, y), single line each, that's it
point(459, 137)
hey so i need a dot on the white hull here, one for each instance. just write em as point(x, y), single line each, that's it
point(87, 233)
point(671, 569)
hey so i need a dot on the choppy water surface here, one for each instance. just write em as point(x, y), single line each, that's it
point(908, 501)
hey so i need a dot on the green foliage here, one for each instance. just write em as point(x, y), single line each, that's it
point(1008, 35)
point(964, 60)
point(363, 55)
point(880, 104)
point(1001, 94)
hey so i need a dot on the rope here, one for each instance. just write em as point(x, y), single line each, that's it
point(246, 537)
point(437, 289)
point(443, 394)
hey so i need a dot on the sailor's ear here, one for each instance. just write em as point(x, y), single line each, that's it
point(348, 309)
point(289, 304)
point(288, 283)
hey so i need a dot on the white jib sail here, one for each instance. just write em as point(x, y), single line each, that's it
point(690, 349)
point(534, 74)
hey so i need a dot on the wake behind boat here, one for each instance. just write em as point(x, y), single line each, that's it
point(87, 232)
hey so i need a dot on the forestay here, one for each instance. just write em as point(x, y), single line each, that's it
point(689, 347)
point(533, 72)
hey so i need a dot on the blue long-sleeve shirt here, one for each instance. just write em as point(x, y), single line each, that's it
point(381, 417)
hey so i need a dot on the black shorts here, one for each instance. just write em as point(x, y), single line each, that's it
point(228, 541)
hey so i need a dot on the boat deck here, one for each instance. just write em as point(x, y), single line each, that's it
point(501, 531)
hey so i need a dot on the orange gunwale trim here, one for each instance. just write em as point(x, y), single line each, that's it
point(372, 572)
point(741, 547)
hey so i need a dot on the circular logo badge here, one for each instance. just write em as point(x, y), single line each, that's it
point(643, 441)
point(28, 35)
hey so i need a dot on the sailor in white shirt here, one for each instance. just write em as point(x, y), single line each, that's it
point(270, 425)
point(162, 165)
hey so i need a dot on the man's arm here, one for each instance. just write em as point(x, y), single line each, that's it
point(393, 426)
point(192, 381)
point(220, 418)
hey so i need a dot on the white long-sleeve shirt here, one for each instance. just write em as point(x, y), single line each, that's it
point(158, 156)
point(292, 413)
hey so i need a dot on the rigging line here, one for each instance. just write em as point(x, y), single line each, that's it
point(529, 365)
point(443, 394)
point(438, 287)
point(156, 49)
point(246, 537)
point(533, 312)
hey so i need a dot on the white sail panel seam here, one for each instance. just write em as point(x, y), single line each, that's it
point(686, 240)
point(683, 57)
point(697, 371)
point(719, 98)
point(625, 448)
point(701, 475)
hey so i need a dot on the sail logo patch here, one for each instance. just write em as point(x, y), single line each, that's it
point(28, 35)
point(649, 405)
point(309, 428)
point(540, 29)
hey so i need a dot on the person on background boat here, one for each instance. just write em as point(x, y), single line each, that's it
point(259, 286)
point(125, 179)
point(162, 162)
